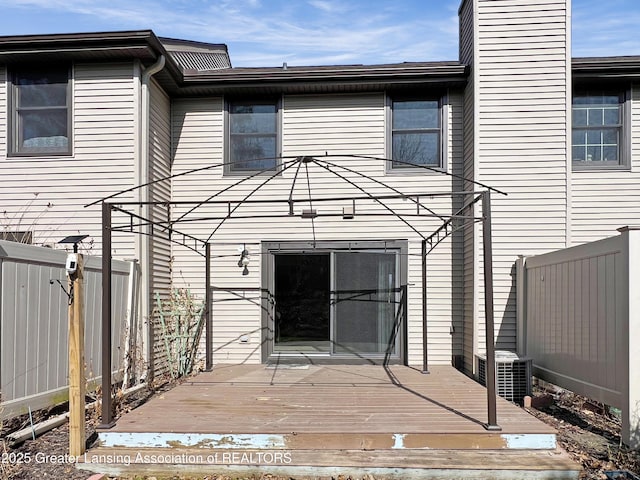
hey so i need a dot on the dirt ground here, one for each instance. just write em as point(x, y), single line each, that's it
point(588, 431)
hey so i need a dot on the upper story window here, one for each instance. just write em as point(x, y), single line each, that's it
point(598, 133)
point(252, 136)
point(416, 133)
point(40, 111)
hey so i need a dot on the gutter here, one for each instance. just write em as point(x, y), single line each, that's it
point(343, 73)
point(144, 196)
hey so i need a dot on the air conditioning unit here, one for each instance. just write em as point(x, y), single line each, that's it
point(513, 375)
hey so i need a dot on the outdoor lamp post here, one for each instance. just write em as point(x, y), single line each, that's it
point(75, 271)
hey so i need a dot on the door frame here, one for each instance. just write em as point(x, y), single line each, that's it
point(269, 248)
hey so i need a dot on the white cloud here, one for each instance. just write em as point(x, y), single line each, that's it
point(313, 32)
point(328, 6)
point(282, 29)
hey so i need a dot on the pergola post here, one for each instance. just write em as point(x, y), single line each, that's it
point(107, 409)
point(425, 348)
point(492, 416)
point(207, 309)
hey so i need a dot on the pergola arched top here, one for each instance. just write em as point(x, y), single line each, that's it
point(359, 182)
point(301, 193)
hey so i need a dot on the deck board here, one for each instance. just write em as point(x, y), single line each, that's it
point(328, 421)
point(326, 399)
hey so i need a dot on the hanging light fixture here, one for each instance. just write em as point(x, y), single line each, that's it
point(244, 260)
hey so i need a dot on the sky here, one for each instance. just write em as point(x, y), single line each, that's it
point(262, 33)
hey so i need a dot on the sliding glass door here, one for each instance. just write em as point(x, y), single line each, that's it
point(365, 297)
point(336, 303)
point(302, 307)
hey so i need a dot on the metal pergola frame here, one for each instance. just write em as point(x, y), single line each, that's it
point(451, 223)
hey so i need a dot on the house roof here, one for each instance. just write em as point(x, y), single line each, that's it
point(341, 78)
point(198, 68)
point(93, 47)
point(611, 68)
point(141, 44)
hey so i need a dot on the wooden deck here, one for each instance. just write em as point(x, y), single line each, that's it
point(390, 422)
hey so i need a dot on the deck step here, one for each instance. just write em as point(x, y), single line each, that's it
point(380, 463)
point(331, 441)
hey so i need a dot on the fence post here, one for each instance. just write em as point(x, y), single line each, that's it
point(77, 385)
point(631, 392)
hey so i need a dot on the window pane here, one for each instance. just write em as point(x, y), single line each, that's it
point(596, 117)
point(252, 152)
point(610, 154)
point(54, 95)
point(42, 89)
point(579, 154)
point(580, 99)
point(43, 129)
point(579, 137)
point(413, 115)
point(609, 99)
point(594, 137)
point(252, 118)
point(416, 148)
point(612, 116)
point(593, 154)
point(579, 117)
point(610, 137)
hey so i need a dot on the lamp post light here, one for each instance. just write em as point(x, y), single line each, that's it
point(244, 261)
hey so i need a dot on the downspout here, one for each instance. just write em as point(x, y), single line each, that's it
point(144, 167)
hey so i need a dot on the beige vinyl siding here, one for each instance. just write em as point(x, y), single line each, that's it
point(466, 32)
point(160, 167)
point(197, 141)
point(467, 44)
point(160, 246)
point(311, 125)
point(456, 148)
point(604, 200)
point(47, 194)
point(521, 81)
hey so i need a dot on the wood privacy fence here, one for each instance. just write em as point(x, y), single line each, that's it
point(34, 325)
point(579, 320)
